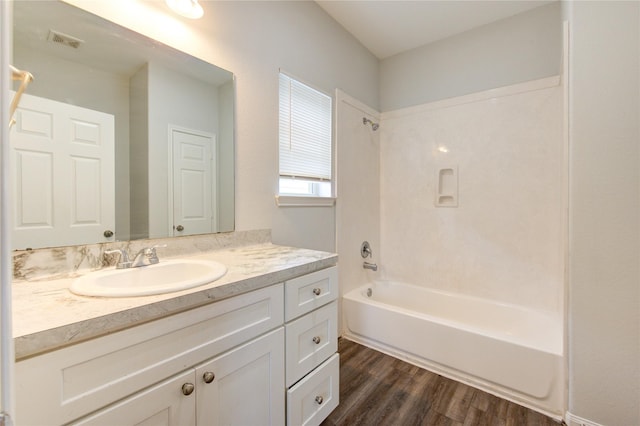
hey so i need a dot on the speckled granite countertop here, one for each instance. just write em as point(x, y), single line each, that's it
point(46, 315)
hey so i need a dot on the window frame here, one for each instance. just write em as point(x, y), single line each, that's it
point(313, 197)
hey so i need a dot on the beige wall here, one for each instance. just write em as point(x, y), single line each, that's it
point(513, 50)
point(604, 310)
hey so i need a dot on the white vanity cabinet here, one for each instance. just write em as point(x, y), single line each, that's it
point(138, 375)
point(231, 362)
point(240, 387)
point(312, 362)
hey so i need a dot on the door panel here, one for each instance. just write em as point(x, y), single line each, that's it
point(248, 385)
point(193, 182)
point(64, 188)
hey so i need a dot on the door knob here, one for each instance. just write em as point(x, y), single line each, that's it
point(208, 377)
point(187, 389)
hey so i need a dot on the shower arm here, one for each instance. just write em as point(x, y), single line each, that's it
point(25, 78)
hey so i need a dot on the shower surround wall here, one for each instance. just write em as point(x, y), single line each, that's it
point(505, 239)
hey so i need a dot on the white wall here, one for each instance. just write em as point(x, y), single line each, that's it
point(358, 205)
point(139, 152)
point(254, 39)
point(226, 158)
point(505, 238)
point(604, 333)
point(513, 50)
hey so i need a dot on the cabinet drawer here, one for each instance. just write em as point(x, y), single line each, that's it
point(71, 382)
point(311, 400)
point(310, 340)
point(306, 293)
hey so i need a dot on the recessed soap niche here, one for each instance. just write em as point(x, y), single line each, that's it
point(446, 186)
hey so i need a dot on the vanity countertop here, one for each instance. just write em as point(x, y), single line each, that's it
point(47, 316)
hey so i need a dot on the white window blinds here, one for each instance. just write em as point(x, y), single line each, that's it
point(305, 131)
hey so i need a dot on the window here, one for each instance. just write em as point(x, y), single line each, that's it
point(305, 140)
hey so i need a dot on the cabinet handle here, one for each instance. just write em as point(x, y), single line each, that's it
point(208, 377)
point(187, 388)
point(317, 291)
point(316, 340)
point(319, 399)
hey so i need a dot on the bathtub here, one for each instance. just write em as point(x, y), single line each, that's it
point(509, 351)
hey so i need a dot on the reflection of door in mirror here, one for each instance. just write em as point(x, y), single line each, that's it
point(193, 182)
point(63, 174)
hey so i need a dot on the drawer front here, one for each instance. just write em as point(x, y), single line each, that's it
point(66, 384)
point(306, 293)
point(310, 340)
point(311, 400)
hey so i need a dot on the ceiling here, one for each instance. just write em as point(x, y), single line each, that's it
point(389, 27)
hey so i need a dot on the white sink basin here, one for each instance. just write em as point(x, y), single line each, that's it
point(164, 277)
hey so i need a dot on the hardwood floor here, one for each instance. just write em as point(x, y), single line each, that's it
point(377, 389)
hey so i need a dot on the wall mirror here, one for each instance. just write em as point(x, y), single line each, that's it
point(119, 137)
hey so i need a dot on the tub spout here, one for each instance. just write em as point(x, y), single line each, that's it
point(372, 266)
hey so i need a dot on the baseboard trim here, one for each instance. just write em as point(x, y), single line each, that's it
point(573, 420)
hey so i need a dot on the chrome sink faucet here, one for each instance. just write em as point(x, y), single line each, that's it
point(146, 256)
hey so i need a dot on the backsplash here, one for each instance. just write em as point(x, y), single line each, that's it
point(61, 262)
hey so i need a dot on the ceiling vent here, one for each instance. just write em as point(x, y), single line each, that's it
point(64, 39)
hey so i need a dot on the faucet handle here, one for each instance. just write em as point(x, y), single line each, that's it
point(124, 258)
point(365, 250)
point(151, 253)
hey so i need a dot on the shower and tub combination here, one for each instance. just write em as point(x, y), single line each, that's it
point(471, 289)
point(504, 349)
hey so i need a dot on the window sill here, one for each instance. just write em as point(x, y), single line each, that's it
point(304, 201)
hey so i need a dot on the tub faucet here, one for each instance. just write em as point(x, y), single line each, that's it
point(372, 266)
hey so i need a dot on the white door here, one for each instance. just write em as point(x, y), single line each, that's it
point(193, 182)
point(245, 386)
point(63, 174)
point(168, 403)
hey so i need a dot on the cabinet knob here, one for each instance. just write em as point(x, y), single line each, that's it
point(179, 228)
point(208, 377)
point(188, 388)
point(108, 233)
point(317, 291)
point(319, 399)
point(316, 340)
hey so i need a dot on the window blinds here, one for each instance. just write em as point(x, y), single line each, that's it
point(305, 131)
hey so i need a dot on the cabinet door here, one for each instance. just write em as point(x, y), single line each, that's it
point(163, 404)
point(244, 386)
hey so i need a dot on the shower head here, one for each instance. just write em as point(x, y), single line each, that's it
point(374, 126)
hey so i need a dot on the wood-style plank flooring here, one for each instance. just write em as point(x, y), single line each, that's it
point(377, 389)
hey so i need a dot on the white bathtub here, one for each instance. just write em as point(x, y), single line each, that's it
point(507, 350)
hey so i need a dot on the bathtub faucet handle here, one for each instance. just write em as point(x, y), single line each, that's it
point(365, 250)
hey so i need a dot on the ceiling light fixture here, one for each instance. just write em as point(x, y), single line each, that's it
point(187, 8)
